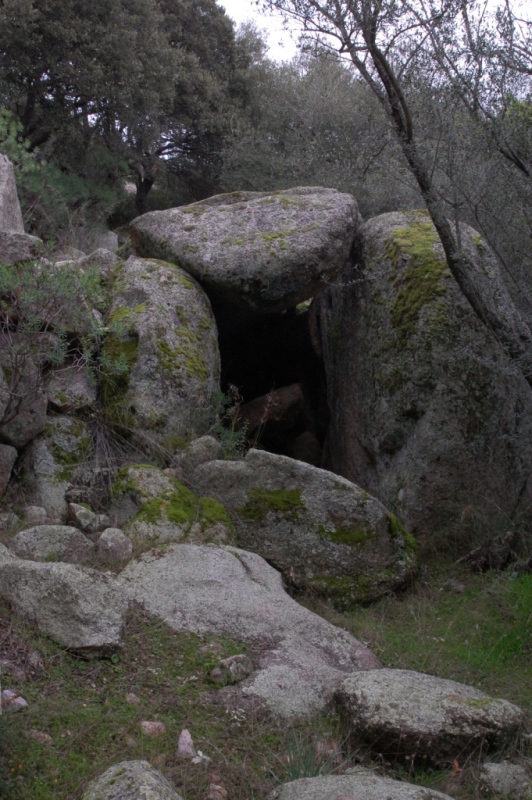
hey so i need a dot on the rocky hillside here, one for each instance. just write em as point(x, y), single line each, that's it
point(258, 395)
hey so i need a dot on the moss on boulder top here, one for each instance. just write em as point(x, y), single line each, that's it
point(154, 508)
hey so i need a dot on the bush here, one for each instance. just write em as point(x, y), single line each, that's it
point(46, 316)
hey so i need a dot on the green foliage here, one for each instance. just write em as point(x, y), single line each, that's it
point(46, 316)
point(309, 754)
point(53, 202)
point(229, 429)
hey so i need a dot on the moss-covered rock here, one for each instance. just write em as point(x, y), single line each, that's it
point(154, 508)
point(426, 412)
point(52, 462)
point(321, 531)
point(252, 250)
point(163, 334)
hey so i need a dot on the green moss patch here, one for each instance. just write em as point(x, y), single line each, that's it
point(186, 355)
point(398, 531)
point(420, 281)
point(261, 502)
point(184, 508)
point(344, 534)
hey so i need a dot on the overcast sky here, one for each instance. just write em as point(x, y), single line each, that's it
point(282, 47)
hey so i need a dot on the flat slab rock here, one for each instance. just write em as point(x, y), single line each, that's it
point(131, 780)
point(227, 591)
point(357, 784)
point(263, 252)
point(404, 713)
point(81, 609)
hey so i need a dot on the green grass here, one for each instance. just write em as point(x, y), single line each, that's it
point(82, 706)
point(482, 637)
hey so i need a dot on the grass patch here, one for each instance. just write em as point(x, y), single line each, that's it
point(482, 637)
point(82, 706)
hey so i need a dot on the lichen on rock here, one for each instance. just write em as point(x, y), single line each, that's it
point(163, 333)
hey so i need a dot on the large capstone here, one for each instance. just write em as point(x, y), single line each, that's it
point(255, 251)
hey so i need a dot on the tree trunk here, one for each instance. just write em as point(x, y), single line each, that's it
point(141, 198)
point(505, 322)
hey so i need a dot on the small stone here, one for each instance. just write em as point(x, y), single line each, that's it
point(40, 737)
point(507, 780)
point(185, 745)
point(114, 545)
point(232, 670)
point(216, 792)
point(159, 760)
point(34, 515)
point(83, 518)
point(151, 728)
point(12, 700)
point(130, 741)
point(132, 699)
point(454, 586)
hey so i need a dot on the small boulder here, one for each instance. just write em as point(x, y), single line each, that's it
point(79, 608)
point(321, 531)
point(83, 518)
point(404, 714)
point(53, 543)
point(70, 388)
point(255, 251)
point(232, 670)
point(131, 780)
point(52, 461)
point(113, 545)
point(198, 451)
point(356, 784)
point(34, 515)
point(511, 781)
point(154, 507)
point(16, 247)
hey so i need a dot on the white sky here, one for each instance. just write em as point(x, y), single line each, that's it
point(281, 46)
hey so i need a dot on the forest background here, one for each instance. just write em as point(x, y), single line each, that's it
point(116, 107)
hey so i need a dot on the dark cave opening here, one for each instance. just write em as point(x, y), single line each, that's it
point(268, 361)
